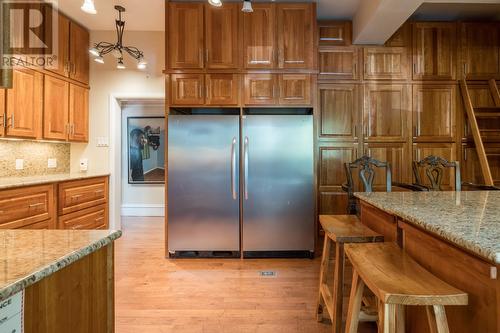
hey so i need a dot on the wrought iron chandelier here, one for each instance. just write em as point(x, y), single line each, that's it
point(102, 48)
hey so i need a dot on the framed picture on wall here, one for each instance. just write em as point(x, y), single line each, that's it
point(146, 150)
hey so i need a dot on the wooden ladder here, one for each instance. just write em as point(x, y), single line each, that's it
point(481, 112)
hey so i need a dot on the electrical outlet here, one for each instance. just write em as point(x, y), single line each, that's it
point(19, 164)
point(102, 141)
point(52, 163)
point(84, 164)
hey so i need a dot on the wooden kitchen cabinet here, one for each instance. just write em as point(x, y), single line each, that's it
point(187, 89)
point(339, 111)
point(78, 113)
point(471, 169)
point(295, 35)
point(386, 115)
point(78, 53)
point(434, 112)
point(61, 63)
point(24, 105)
point(385, 63)
point(221, 36)
point(446, 150)
point(259, 36)
point(185, 35)
point(480, 47)
point(222, 89)
point(90, 218)
point(338, 63)
point(434, 50)
point(77, 195)
point(397, 154)
point(260, 89)
point(295, 89)
point(56, 106)
point(337, 33)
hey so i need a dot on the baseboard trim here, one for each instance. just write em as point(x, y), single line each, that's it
point(143, 210)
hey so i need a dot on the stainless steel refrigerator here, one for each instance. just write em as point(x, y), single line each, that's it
point(240, 183)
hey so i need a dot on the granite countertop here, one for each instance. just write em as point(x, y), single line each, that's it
point(470, 220)
point(10, 182)
point(28, 256)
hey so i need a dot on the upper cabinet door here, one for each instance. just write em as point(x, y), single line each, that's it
point(222, 89)
point(259, 36)
point(387, 112)
point(78, 113)
point(336, 33)
point(61, 64)
point(221, 33)
point(79, 53)
point(260, 89)
point(480, 50)
point(338, 63)
point(185, 35)
point(55, 104)
point(295, 89)
point(295, 35)
point(434, 46)
point(187, 89)
point(25, 104)
point(385, 63)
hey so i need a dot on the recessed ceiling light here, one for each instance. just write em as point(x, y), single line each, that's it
point(88, 7)
point(216, 3)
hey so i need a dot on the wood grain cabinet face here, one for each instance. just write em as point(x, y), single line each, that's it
point(338, 33)
point(295, 89)
point(61, 63)
point(471, 169)
point(434, 48)
point(481, 96)
point(339, 111)
point(81, 194)
point(187, 89)
point(397, 154)
point(221, 36)
point(434, 112)
point(78, 113)
point(260, 89)
point(79, 55)
point(222, 89)
point(55, 120)
point(385, 63)
point(259, 36)
point(295, 35)
point(387, 112)
point(90, 218)
point(185, 35)
point(444, 150)
point(25, 104)
point(480, 50)
point(338, 63)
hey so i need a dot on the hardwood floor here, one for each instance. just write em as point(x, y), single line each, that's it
point(154, 294)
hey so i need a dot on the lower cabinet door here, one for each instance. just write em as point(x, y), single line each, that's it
point(90, 218)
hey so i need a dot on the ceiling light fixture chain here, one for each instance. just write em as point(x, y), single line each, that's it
point(102, 48)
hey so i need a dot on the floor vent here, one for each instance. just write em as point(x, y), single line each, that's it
point(268, 273)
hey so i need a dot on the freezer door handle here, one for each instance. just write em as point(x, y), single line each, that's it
point(245, 165)
point(233, 168)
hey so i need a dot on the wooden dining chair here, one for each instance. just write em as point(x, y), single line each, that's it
point(433, 167)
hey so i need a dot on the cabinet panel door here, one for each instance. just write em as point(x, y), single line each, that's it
point(25, 104)
point(221, 36)
point(338, 63)
point(187, 89)
point(260, 89)
point(222, 89)
point(78, 113)
point(339, 111)
point(3, 119)
point(295, 35)
point(60, 64)
point(434, 48)
point(397, 154)
point(480, 50)
point(56, 106)
point(185, 35)
point(259, 36)
point(387, 112)
point(434, 112)
point(336, 33)
point(295, 89)
point(385, 63)
point(444, 150)
point(79, 53)
point(471, 169)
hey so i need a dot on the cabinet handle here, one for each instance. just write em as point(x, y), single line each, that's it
point(414, 68)
point(98, 191)
point(465, 68)
point(12, 121)
point(4, 121)
point(356, 131)
point(355, 69)
point(414, 130)
point(36, 204)
point(76, 196)
point(365, 131)
point(200, 55)
point(74, 68)
point(206, 91)
point(99, 218)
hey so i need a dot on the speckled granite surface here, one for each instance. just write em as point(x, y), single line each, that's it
point(9, 182)
point(27, 256)
point(470, 220)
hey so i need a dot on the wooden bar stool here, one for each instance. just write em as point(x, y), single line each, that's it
point(397, 280)
point(341, 229)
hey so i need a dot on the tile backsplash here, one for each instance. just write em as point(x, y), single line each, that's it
point(35, 156)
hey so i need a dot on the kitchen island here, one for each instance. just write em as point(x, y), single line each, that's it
point(64, 278)
point(456, 236)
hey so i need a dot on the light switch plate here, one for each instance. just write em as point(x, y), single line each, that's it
point(84, 164)
point(19, 164)
point(52, 163)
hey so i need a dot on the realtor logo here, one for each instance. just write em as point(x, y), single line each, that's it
point(29, 33)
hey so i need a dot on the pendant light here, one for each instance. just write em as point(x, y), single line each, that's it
point(88, 7)
point(247, 7)
point(215, 3)
point(120, 64)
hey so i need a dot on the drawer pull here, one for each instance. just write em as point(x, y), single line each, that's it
point(37, 204)
point(98, 191)
point(76, 196)
point(99, 219)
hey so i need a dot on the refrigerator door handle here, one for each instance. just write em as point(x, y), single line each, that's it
point(245, 162)
point(233, 168)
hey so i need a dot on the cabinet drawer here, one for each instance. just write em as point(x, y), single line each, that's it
point(81, 194)
point(47, 224)
point(25, 206)
point(90, 218)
